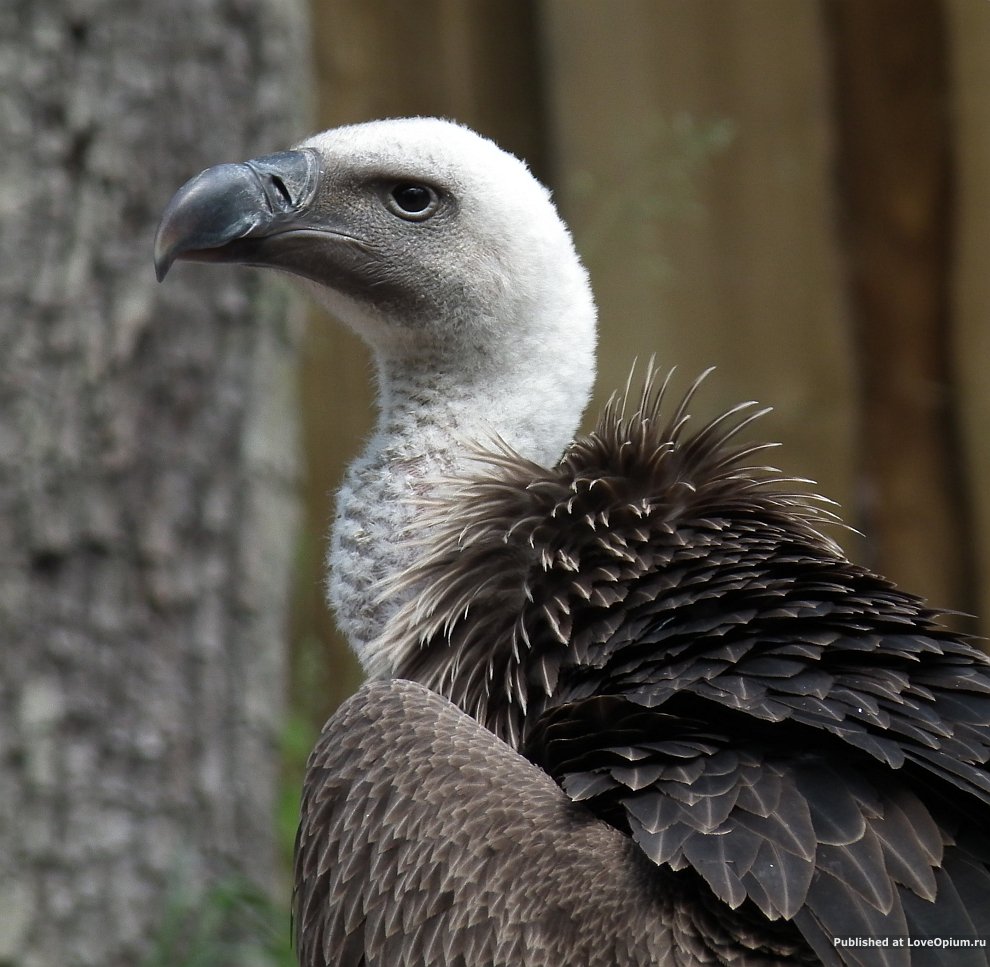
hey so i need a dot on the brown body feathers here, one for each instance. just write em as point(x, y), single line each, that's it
point(798, 749)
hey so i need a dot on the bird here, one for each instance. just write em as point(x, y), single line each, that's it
point(627, 701)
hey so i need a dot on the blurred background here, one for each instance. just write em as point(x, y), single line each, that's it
point(794, 191)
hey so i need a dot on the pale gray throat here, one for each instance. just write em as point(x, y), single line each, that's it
point(431, 421)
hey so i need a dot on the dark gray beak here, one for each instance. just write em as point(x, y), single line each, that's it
point(228, 212)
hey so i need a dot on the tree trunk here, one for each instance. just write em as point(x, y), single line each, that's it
point(896, 174)
point(146, 472)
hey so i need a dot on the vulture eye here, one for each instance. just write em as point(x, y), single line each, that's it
point(412, 202)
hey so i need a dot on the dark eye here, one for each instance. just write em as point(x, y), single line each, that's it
point(412, 201)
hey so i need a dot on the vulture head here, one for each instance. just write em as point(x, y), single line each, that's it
point(441, 250)
point(449, 259)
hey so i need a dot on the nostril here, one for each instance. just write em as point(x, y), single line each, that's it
point(282, 190)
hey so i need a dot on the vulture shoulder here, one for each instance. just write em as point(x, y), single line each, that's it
point(662, 628)
point(426, 840)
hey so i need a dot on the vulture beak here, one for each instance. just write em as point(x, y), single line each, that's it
point(242, 213)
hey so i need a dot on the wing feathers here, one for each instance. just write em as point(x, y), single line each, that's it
point(411, 853)
point(691, 659)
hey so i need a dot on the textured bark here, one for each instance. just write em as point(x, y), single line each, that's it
point(146, 472)
point(896, 196)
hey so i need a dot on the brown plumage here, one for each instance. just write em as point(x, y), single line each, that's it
point(663, 630)
point(426, 840)
point(586, 531)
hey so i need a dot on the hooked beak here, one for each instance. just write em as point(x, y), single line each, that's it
point(238, 213)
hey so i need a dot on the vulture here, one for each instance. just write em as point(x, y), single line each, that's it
point(627, 704)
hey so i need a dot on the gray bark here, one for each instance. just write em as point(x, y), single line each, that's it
point(147, 500)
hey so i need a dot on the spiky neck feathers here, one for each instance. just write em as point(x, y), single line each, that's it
point(517, 551)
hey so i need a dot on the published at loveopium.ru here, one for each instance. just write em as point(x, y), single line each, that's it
point(939, 942)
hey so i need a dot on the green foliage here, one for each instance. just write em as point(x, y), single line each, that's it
point(230, 924)
point(233, 923)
